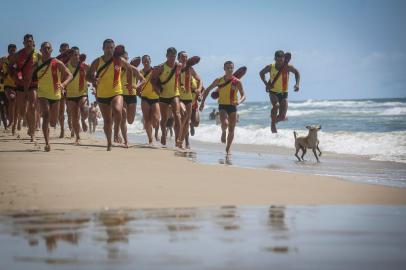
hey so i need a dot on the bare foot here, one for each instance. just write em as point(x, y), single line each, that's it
point(109, 147)
point(125, 145)
point(223, 136)
point(47, 148)
point(273, 128)
point(62, 134)
point(72, 133)
point(118, 139)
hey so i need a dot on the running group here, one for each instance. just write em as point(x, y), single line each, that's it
point(36, 85)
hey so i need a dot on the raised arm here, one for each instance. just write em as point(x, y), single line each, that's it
point(206, 93)
point(297, 76)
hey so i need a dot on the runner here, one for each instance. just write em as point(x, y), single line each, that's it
point(21, 67)
point(94, 114)
point(3, 100)
point(62, 104)
point(130, 100)
point(149, 100)
point(52, 77)
point(9, 86)
point(277, 86)
point(105, 73)
point(76, 93)
point(195, 117)
point(189, 80)
point(228, 101)
point(165, 80)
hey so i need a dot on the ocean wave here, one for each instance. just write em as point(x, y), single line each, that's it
point(394, 111)
point(345, 104)
point(293, 113)
point(385, 146)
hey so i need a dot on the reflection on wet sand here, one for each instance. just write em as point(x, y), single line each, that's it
point(276, 219)
point(228, 218)
point(50, 227)
point(226, 160)
point(227, 237)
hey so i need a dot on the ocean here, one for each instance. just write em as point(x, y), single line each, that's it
point(367, 130)
point(375, 128)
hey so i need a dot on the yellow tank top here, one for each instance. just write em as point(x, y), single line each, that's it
point(194, 87)
point(124, 83)
point(227, 94)
point(48, 77)
point(171, 88)
point(148, 90)
point(106, 87)
point(281, 84)
point(186, 80)
point(72, 90)
point(8, 80)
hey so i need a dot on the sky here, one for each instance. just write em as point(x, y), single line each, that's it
point(343, 49)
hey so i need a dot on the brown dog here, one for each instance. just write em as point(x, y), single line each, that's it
point(309, 141)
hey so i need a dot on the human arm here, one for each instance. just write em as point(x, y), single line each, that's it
point(242, 93)
point(206, 93)
point(198, 90)
point(156, 72)
point(262, 74)
point(297, 77)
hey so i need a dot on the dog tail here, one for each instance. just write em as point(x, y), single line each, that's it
point(295, 134)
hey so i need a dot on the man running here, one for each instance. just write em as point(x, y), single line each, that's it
point(52, 77)
point(277, 87)
point(195, 117)
point(165, 80)
point(149, 99)
point(228, 101)
point(21, 67)
point(9, 86)
point(76, 93)
point(129, 100)
point(3, 100)
point(189, 80)
point(94, 114)
point(105, 73)
point(62, 104)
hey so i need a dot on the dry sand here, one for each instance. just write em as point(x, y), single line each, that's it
point(88, 177)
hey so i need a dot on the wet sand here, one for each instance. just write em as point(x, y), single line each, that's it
point(229, 237)
point(89, 177)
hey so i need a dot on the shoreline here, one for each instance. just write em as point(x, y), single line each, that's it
point(139, 178)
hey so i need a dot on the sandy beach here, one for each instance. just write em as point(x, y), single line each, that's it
point(88, 177)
